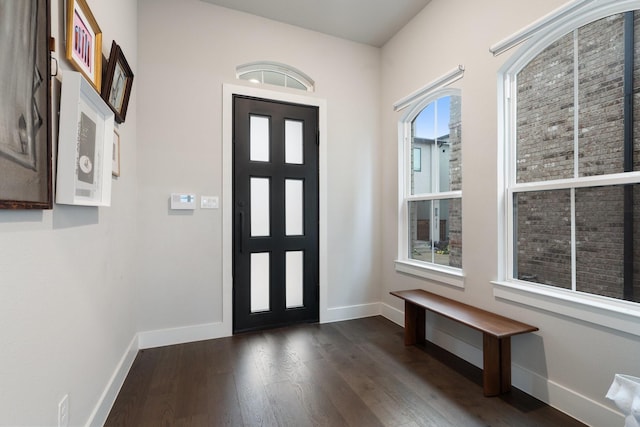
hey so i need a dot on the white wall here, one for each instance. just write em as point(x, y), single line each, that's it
point(67, 300)
point(568, 363)
point(188, 50)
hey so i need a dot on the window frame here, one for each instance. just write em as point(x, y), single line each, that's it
point(270, 67)
point(604, 311)
point(440, 273)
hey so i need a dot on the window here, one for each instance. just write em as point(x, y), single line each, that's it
point(275, 73)
point(417, 159)
point(572, 160)
point(430, 172)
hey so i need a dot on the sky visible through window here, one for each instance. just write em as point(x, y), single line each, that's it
point(425, 123)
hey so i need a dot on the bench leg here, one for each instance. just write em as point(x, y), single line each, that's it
point(414, 324)
point(496, 375)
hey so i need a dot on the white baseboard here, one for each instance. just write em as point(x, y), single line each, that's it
point(149, 339)
point(185, 334)
point(563, 399)
point(349, 312)
point(566, 400)
point(101, 411)
point(392, 313)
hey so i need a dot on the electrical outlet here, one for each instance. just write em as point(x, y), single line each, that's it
point(63, 412)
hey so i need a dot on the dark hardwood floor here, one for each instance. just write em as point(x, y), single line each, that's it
point(352, 373)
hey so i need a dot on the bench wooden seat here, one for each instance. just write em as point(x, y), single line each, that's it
point(496, 332)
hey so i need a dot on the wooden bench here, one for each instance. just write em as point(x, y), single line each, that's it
point(496, 332)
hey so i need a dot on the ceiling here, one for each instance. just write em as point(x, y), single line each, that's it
point(371, 22)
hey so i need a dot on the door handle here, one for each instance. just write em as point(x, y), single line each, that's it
point(241, 231)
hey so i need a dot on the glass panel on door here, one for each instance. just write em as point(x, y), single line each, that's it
point(293, 151)
point(294, 278)
point(293, 211)
point(259, 139)
point(260, 282)
point(260, 207)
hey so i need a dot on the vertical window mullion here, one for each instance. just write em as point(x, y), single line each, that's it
point(435, 167)
point(576, 155)
point(406, 217)
point(512, 134)
point(574, 280)
point(576, 105)
point(408, 145)
point(511, 235)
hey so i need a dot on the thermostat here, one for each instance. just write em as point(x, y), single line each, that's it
point(183, 201)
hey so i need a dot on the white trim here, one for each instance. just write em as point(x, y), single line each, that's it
point(542, 39)
point(404, 145)
point(228, 91)
point(576, 405)
point(618, 315)
point(392, 313)
point(438, 83)
point(435, 196)
point(349, 312)
point(574, 252)
point(576, 105)
point(582, 182)
point(181, 335)
point(441, 274)
point(539, 25)
point(101, 411)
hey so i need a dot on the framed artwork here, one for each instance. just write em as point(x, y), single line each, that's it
point(84, 41)
point(115, 158)
point(117, 83)
point(25, 107)
point(85, 145)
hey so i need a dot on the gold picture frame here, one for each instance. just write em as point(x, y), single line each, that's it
point(84, 42)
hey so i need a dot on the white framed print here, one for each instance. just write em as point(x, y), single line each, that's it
point(85, 145)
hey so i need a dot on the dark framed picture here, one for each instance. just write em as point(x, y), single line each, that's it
point(118, 81)
point(25, 112)
point(84, 42)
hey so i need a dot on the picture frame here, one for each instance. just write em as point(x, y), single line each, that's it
point(25, 106)
point(85, 145)
point(118, 81)
point(115, 157)
point(84, 42)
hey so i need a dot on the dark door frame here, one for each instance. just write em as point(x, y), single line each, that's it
point(276, 243)
point(225, 327)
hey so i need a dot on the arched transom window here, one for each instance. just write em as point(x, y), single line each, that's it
point(275, 73)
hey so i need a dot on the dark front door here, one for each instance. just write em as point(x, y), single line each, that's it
point(275, 214)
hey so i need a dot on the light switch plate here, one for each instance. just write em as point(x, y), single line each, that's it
point(209, 202)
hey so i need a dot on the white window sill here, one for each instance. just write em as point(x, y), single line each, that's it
point(449, 276)
point(615, 314)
